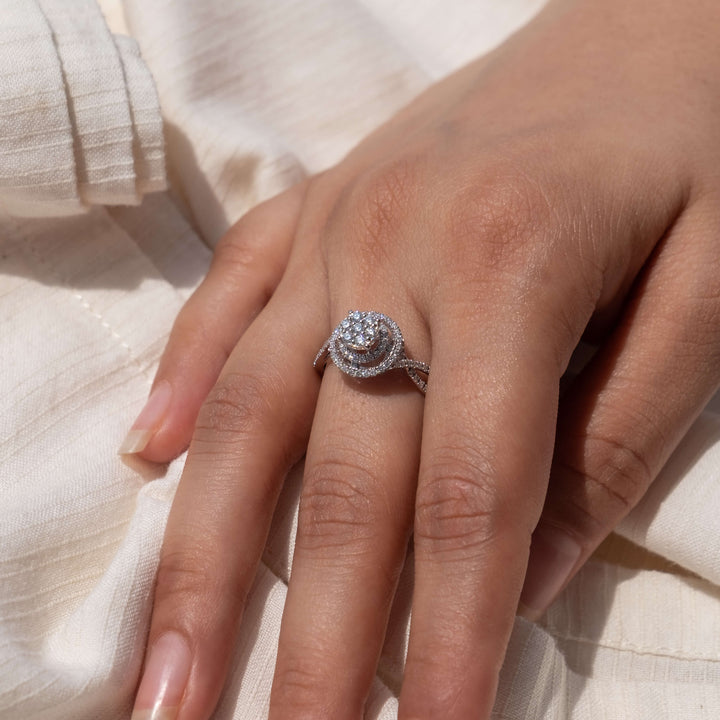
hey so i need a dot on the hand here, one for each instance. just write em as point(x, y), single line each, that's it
point(566, 184)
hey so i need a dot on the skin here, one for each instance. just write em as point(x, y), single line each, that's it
point(565, 185)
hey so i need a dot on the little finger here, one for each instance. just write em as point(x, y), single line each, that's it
point(486, 449)
point(630, 407)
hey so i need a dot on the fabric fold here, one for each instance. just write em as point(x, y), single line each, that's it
point(37, 159)
point(146, 120)
point(80, 121)
point(678, 516)
point(256, 95)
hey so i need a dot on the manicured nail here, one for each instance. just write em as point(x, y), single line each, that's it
point(148, 421)
point(553, 556)
point(163, 683)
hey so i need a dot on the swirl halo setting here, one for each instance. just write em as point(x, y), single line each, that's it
point(367, 343)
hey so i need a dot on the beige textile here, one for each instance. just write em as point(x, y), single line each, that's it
point(255, 95)
point(79, 115)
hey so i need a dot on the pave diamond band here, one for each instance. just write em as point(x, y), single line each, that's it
point(366, 344)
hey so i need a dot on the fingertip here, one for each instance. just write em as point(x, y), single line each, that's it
point(135, 442)
point(159, 433)
point(151, 417)
point(164, 679)
point(554, 555)
point(527, 613)
point(165, 445)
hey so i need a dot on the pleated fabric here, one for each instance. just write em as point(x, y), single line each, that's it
point(255, 95)
point(79, 116)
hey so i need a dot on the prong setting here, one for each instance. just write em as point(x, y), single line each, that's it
point(367, 343)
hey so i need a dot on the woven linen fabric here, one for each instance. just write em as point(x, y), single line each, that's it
point(79, 115)
point(255, 95)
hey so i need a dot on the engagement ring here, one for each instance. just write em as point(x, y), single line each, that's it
point(366, 344)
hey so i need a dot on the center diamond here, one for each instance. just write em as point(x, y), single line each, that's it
point(360, 330)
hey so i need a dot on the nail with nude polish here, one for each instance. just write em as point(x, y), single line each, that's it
point(553, 556)
point(148, 421)
point(163, 683)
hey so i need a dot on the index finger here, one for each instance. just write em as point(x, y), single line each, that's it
point(252, 428)
point(486, 451)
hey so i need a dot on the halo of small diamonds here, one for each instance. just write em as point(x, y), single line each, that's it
point(367, 343)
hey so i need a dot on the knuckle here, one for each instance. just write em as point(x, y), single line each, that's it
point(240, 249)
point(184, 581)
point(694, 325)
point(458, 508)
point(444, 680)
point(252, 250)
point(496, 222)
point(618, 468)
point(379, 204)
point(241, 254)
point(605, 482)
point(295, 689)
point(337, 513)
point(236, 410)
point(300, 687)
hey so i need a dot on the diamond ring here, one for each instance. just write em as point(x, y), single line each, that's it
point(366, 344)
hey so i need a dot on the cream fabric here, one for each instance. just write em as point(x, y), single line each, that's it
point(79, 115)
point(255, 95)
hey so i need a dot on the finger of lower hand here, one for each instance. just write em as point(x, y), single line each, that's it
point(247, 265)
point(251, 429)
point(486, 450)
point(354, 525)
point(630, 407)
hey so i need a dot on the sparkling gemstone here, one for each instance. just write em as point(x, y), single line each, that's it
point(360, 331)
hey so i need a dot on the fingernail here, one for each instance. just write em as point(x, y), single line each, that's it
point(163, 683)
point(553, 555)
point(148, 421)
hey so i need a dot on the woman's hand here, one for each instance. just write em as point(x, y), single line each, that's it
point(566, 184)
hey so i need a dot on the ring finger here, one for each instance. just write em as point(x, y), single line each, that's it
point(355, 521)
